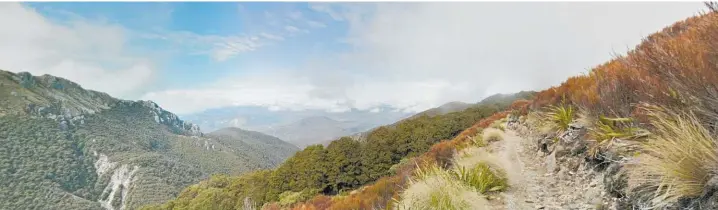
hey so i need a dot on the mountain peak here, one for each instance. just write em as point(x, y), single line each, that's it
point(60, 99)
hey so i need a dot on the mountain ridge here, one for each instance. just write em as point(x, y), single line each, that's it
point(83, 149)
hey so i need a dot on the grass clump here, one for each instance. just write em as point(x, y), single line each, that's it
point(560, 116)
point(482, 178)
point(606, 130)
point(676, 162)
point(435, 188)
point(478, 141)
point(492, 136)
point(500, 125)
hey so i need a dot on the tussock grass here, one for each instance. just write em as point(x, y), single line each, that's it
point(606, 130)
point(482, 178)
point(478, 141)
point(493, 135)
point(436, 188)
point(560, 116)
point(500, 124)
point(677, 161)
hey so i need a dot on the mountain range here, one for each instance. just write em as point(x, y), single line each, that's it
point(65, 147)
point(301, 128)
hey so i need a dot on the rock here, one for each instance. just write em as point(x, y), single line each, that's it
point(544, 143)
point(551, 163)
point(572, 164)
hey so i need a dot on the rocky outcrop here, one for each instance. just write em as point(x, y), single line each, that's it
point(164, 117)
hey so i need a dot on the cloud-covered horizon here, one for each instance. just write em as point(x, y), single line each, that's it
point(339, 56)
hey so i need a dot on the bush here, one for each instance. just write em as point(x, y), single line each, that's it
point(677, 162)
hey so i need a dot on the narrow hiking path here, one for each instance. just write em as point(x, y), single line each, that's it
point(533, 186)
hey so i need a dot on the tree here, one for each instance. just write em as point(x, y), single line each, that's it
point(344, 157)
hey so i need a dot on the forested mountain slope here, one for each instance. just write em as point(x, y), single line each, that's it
point(344, 165)
point(64, 147)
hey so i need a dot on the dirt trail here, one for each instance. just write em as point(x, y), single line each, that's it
point(532, 187)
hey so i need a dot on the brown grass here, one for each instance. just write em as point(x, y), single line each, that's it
point(676, 162)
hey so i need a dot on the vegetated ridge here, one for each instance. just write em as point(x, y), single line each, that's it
point(64, 147)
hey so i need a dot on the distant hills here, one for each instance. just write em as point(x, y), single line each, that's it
point(300, 128)
point(64, 147)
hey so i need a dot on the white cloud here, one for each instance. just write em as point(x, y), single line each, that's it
point(315, 24)
point(296, 15)
point(418, 56)
point(272, 36)
point(91, 53)
point(291, 29)
point(219, 47)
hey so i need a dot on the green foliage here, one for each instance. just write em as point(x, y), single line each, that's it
point(605, 130)
point(561, 116)
point(287, 198)
point(482, 177)
point(39, 164)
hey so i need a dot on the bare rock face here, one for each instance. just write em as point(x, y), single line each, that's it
point(165, 117)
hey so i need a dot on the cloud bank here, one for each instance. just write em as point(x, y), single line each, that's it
point(417, 56)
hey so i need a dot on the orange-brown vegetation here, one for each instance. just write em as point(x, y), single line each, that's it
point(664, 69)
point(381, 193)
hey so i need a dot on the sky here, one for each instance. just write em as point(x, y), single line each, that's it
point(189, 57)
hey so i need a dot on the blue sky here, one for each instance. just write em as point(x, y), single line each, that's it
point(189, 57)
point(271, 24)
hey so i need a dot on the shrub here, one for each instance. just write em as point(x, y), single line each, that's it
point(677, 162)
point(440, 154)
point(493, 135)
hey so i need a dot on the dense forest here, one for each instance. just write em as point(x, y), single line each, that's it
point(345, 164)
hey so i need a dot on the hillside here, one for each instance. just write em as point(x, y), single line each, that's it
point(65, 147)
point(267, 148)
point(343, 165)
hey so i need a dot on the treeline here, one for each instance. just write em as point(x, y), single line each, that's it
point(345, 164)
